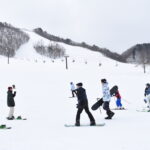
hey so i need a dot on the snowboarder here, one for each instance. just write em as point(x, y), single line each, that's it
point(11, 102)
point(72, 89)
point(118, 101)
point(83, 104)
point(106, 99)
point(147, 95)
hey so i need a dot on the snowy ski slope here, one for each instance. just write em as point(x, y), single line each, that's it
point(43, 93)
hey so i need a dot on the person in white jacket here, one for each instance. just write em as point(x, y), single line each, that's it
point(72, 89)
point(106, 98)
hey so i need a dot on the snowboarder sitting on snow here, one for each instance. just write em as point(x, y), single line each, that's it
point(118, 101)
point(11, 102)
point(72, 89)
point(106, 99)
point(83, 104)
point(147, 95)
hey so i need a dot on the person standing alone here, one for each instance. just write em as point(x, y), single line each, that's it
point(11, 102)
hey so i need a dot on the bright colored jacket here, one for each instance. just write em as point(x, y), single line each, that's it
point(106, 92)
point(117, 94)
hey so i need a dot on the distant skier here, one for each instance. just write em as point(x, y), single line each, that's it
point(72, 89)
point(83, 104)
point(147, 95)
point(106, 99)
point(11, 102)
point(118, 101)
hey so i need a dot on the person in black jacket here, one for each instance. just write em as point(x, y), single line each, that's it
point(82, 104)
point(11, 102)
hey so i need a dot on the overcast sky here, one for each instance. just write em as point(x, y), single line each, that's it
point(114, 24)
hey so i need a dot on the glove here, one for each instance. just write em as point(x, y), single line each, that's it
point(145, 100)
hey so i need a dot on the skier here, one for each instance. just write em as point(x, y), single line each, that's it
point(11, 102)
point(72, 89)
point(147, 95)
point(83, 104)
point(118, 101)
point(106, 99)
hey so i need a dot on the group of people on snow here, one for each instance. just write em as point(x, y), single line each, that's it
point(80, 93)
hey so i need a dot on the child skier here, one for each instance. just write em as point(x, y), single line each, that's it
point(11, 102)
point(118, 101)
point(83, 104)
point(147, 95)
point(106, 99)
point(72, 89)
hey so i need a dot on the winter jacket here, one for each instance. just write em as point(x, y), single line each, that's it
point(10, 98)
point(82, 97)
point(117, 94)
point(72, 87)
point(147, 91)
point(106, 92)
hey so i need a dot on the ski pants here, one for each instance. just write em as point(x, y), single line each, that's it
point(148, 100)
point(11, 112)
point(73, 93)
point(79, 111)
point(106, 107)
point(118, 102)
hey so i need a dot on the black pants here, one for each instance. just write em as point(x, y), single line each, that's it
point(79, 111)
point(106, 107)
point(73, 93)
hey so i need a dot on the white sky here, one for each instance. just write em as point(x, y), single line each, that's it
point(114, 24)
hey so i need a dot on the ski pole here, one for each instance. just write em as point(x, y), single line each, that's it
point(126, 101)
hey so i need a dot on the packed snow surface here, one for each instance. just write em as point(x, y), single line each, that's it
point(43, 93)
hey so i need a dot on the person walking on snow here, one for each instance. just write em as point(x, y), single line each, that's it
point(11, 102)
point(106, 99)
point(72, 89)
point(83, 105)
point(147, 95)
point(118, 101)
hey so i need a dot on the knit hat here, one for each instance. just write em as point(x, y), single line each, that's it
point(79, 84)
point(103, 80)
point(10, 88)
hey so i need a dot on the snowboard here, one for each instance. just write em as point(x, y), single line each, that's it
point(118, 109)
point(85, 125)
point(99, 103)
point(142, 110)
point(18, 118)
point(3, 127)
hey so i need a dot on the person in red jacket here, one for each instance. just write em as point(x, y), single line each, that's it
point(118, 101)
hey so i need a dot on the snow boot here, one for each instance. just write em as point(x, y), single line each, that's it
point(92, 123)
point(77, 123)
point(10, 118)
